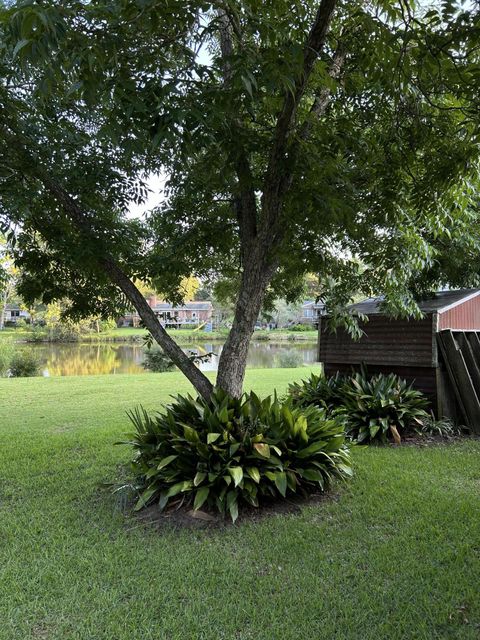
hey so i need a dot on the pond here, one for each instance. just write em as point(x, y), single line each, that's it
point(112, 358)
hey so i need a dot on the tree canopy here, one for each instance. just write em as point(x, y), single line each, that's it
point(339, 138)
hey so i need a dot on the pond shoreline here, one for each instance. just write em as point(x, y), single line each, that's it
point(139, 338)
point(80, 358)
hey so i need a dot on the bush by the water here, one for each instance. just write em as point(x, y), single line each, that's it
point(290, 360)
point(156, 360)
point(24, 364)
point(301, 327)
point(373, 408)
point(5, 357)
point(230, 452)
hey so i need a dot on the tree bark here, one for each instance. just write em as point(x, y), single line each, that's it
point(3, 310)
point(256, 277)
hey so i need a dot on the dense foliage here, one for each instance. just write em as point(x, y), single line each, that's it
point(5, 357)
point(154, 359)
point(231, 452)
point(380, 406)
point(24, 363)
point(318, 390)
point(373, 408)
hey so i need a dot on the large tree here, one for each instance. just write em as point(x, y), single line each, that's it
point(339, 138)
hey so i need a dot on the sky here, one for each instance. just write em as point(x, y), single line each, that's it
point(156, 184)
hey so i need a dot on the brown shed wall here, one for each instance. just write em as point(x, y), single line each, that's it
point(386, 343)
point(464, 316)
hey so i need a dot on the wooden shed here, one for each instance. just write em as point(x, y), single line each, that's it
point(440, 353)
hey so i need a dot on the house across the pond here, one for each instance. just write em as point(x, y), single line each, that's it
point(14, 313)
point(190, 314)
point(311, 313)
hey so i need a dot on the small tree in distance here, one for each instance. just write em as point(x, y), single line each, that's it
point(338, 138)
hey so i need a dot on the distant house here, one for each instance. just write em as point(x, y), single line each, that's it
point(14, 313)
point(311, 312)
point(189, 314)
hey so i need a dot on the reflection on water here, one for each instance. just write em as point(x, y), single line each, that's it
point(88, 359)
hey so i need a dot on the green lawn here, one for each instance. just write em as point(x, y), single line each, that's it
point(396, 553)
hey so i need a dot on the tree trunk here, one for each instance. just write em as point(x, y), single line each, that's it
point(233, 359)
point(3, 310)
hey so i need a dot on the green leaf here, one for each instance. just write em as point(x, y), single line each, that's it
point(179, 487)
point(232, 505)
point(190, 434)
point(281, 482)
point(234, 448)
point(237, 474)
point(213, 437)
point(163, 500)
point(312, 474)
point(200, 497)
point(144, 498)
point(254, 473)
point(21, 44)
point(166, 461)
point(199, 478)
point(262, 449)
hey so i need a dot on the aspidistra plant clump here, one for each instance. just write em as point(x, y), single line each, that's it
point(228, 452)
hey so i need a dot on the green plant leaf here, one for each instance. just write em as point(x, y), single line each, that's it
point(199, 478)
point(144, 498)
point(281, 482)
point(190, 434)
point(254, 473)
point(200, 497)
point(166, 461)
point(237, 474)
point(262, 449)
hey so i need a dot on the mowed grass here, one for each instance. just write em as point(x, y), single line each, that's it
point(393, 554)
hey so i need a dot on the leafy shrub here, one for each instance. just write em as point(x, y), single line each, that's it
point(317, 390)
point(37, 334)
point(261, 336)
point(444, 427)
point(373, 408)
point(300, 327)
point(381, 406)
point(24, 364)
point(5, 357)
point(156, 360)
point(64, 332)
point(234, 451)
point(290, 360)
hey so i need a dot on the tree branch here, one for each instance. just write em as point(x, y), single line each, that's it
point(276, 171)
point(324, 97)
point(246, 203)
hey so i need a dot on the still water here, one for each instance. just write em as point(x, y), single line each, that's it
point(92, 359)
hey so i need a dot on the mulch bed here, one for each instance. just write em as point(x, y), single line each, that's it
point(183, 517)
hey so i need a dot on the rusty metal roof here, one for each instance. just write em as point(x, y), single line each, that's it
point(439, 302)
